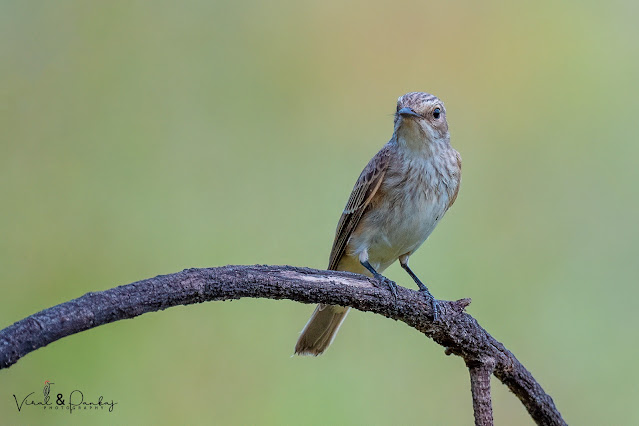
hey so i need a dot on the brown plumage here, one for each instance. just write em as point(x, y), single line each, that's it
point(396, 203)
point(365, 189)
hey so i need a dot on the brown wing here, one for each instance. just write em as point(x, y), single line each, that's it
point(365, 188)
point(458, 172)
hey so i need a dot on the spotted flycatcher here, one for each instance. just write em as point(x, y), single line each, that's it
point(396, 203)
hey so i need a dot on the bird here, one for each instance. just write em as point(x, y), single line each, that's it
point(398, 199)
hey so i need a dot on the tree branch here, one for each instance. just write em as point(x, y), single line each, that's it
point(480, 373)
point(457, 331)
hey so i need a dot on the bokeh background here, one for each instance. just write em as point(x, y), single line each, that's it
point(141, 138)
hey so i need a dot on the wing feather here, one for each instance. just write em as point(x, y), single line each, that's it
point(458, 174)
point(365, 188)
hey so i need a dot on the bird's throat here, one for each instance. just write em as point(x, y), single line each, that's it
point(420, 139)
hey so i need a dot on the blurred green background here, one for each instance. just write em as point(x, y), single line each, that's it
point(141, 138)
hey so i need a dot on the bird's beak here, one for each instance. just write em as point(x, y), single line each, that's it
point(404, 112)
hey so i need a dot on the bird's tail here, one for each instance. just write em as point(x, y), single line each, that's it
point(320, 330)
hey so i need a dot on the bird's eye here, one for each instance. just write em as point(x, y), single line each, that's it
point(437, 112)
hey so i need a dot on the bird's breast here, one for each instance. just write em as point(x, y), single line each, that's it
point(408, 206)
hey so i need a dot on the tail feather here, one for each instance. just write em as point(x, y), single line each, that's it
point(320, 330)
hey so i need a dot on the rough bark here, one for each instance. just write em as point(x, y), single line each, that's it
point(480, 373)
point(455, 330)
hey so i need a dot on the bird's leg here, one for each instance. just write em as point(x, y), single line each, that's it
point(381, 279)
point(433, 302)
point(420, 284)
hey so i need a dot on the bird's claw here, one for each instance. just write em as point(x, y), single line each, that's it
point(433, 303)
point(386, 283)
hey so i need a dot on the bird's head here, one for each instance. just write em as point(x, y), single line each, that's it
point(420, 118)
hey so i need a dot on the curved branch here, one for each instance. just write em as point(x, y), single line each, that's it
point(457, 331)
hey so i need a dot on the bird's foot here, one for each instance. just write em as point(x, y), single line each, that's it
point(433, 302)
point(386, 283)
